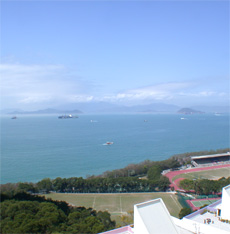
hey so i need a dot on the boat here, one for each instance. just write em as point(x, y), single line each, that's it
point(108, 143)
point(67, 117)
point(14, 117)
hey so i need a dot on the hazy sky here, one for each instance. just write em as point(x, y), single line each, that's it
point(128, 52)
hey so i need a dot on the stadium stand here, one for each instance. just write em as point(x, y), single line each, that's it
point(211, 160)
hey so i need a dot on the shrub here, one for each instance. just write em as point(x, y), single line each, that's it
point(204, 211)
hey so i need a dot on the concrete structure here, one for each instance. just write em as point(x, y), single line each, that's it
point(210, 160)
point(225, 205)
point(152, 217)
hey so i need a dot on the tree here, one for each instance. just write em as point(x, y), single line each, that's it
point(27, 187)
point(45, 184)
point(163, 183)
point(73, 217)
point(30, 217)
point(127, 219)
point(48, 217)
point(154, 173)
point(105, 218)
point(187, 184)
point(59, 184)
point(184, 212)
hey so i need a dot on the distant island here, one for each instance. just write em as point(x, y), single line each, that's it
point(110, 108)
point(189, 111)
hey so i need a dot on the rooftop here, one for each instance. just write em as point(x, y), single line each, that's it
point(154, 217)
point(227, 189)
point(122, 230)
point(210, 218)
point(211, 156)
point(214, 221)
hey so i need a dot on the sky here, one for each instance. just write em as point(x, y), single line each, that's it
point(124, 52)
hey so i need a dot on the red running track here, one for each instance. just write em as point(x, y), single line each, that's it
point(172, 174)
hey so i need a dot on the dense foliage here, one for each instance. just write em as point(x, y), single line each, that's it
point(141, 169)
point(204, 186)
point(25, 213)
point(184, 211)
point(93, 185)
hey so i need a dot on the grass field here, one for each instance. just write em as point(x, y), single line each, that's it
point(117, 204)
point(203, 202)
point(213, 174)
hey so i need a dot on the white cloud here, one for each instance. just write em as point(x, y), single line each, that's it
point(55, 84)
point(164, 91)
point(80, 98)
point(35, 98)
point(222, 94)
point(201, 94)
point(20, 78)
point(176, 93)
point(30, 84)
point(21, 68)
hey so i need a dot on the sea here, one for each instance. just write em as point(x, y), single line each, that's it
point(37, 147)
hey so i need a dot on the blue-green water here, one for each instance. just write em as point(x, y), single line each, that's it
point(35, 147)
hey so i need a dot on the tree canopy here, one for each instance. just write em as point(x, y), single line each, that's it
point(46, 216)
point(204, 186)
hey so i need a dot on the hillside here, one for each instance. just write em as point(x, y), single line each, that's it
point(189, 111)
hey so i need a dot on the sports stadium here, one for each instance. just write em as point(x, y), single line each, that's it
point(211, 160)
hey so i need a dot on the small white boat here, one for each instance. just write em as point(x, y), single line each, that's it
point(108, 143)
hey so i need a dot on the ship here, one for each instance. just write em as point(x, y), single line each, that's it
point(68, 117)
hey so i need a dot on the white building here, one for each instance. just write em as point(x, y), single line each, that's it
point(225, 205)
point(152, 217)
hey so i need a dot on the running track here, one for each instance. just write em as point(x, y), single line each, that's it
point(172, 174)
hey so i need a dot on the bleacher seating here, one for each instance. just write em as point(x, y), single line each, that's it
point(210, 160)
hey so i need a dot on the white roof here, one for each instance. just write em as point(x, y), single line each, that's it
point(121, 230)
point(211, 156)
point(227, 189)
point(153, 217)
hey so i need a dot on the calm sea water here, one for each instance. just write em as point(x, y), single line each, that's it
point(36, 147)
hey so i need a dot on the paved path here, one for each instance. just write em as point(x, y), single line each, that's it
point(172, 174)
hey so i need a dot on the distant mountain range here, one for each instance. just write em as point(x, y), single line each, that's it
point(104, 107)
point(189, 111)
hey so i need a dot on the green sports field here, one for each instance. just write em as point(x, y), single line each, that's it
point(117, 204)
point(203, 202)
point(213, 174)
